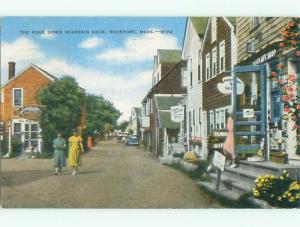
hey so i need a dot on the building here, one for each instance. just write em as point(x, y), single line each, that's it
point(19, 92)
point(259, 53)
point(134, 122)
point(218, 56)
point(166, 79)
point(191, 127)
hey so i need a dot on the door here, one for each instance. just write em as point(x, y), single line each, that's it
point(249, 108)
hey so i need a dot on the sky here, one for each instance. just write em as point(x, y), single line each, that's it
point(109, 56)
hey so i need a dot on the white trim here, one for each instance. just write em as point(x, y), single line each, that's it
point(214, 56)
point(207, 66)
point(214, 30)
point(22, 96)
point(223, 43)
point(20, 73)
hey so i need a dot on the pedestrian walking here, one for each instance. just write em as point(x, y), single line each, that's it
point(228, 147)
point(59, 160)
point(75, 151)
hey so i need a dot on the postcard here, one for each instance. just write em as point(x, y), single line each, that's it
point(150, 112)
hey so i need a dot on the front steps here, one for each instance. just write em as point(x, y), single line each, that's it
point(236, 182)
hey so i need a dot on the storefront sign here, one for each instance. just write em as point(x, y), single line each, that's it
point(220, 134)
point(225, 87)
point(265, 57)
point(219, 161)
point(177, 113)
point(31, 112)
point(248, 113)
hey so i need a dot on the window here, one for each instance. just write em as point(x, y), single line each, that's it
point(222, 119)
point(207, 67)
point(194, 117)
point(190, 123)
point(213, 29)
point(199, 67)
point(191, 73)
point(218, 119)
point(17, 128)
point(256, 22)
point(214, 62)
point(211, 120)
point(18, 97)
point(184, 77)
point(222, 57)
point(199, 119)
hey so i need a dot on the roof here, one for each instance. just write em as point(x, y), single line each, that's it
point(45, 73)
point(165, 120)
point(168, 56)
point(232, 20)
point(165, 102)
point(199, 24)
point(136, 110)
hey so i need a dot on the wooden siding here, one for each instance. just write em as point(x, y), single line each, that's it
point(265, 33)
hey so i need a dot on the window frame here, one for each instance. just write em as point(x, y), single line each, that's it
point(207, 67)
point(214, 70)
point(222, 54)
point(13, 97)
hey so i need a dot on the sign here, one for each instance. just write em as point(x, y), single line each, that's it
point(31, 112)
point(177, 113)
point(145, 122)
point(219, 161)
point(225, 87)
point(265, 57)
point(219, 134)
point(248, 113)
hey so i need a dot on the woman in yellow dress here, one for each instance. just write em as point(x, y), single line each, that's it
point(75, 151)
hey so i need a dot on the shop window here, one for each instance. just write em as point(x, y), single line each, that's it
point(218, 119)
point(222, 118)
point(17, 128)
point(207, 67)
point(276, 104)
point(18, 97)
point(211, 120)
point(222, 57)
point(214, 62)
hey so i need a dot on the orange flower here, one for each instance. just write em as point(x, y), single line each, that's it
point(284, 98)
point(296, 126)
point(281, 44)
point(292, 77)
point(274, 73)
point(289, 89)
point(293, 42)
point(279, 66)
point(286, 109)
point(291, 24)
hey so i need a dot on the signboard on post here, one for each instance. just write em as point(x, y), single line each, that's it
point(248, 113)
point(219, 162)
point(177, 113)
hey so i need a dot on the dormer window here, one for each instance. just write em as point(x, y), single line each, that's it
point(213, 29)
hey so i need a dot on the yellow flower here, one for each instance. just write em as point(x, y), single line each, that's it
point(279, 198)
point(298, 196)
point(292, 199)
point(256, 193)
point(294, 186)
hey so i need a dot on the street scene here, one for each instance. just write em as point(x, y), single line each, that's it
point(112, 176)
point(150, 112)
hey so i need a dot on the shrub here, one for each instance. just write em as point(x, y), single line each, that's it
point(277, 191)
point(16, 146)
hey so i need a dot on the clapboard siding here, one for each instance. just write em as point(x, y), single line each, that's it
point(212, 98)
point(265, 33)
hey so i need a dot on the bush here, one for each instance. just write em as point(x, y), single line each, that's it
point(16, 146)
point(277, 191)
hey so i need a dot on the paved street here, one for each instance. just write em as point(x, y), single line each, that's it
point(112, 176)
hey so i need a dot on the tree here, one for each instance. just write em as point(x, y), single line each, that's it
point(123, 125)
point(62, 101)
point(101, 114)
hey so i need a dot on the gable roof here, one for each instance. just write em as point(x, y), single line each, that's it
point(42, 71)
point(168, 56)
point(136, 110)
point(199, 24)
point(232, 20)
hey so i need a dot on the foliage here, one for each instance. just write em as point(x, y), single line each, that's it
point(278, 191)
point(62, 101)
point(101, 114)
point(123, 125)
point(290, 40)
point(16, 145)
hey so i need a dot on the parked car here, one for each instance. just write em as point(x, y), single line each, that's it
point(132, 141)
point(121, 137)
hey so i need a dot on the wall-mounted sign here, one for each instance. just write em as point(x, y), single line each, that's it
point(248, 113)
point(265, 57)
point(219, 161)
point(31, 112)
point(225, 87)
point(177, 113)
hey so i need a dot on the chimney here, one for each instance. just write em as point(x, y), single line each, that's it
point(11, 69)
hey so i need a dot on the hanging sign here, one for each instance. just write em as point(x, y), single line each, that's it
point(31, 112)
point(225, 87)
point(177, 113)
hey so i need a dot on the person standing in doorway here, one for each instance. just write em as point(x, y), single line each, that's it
point(59, 145)
point(75, 151)
point(228, 147)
